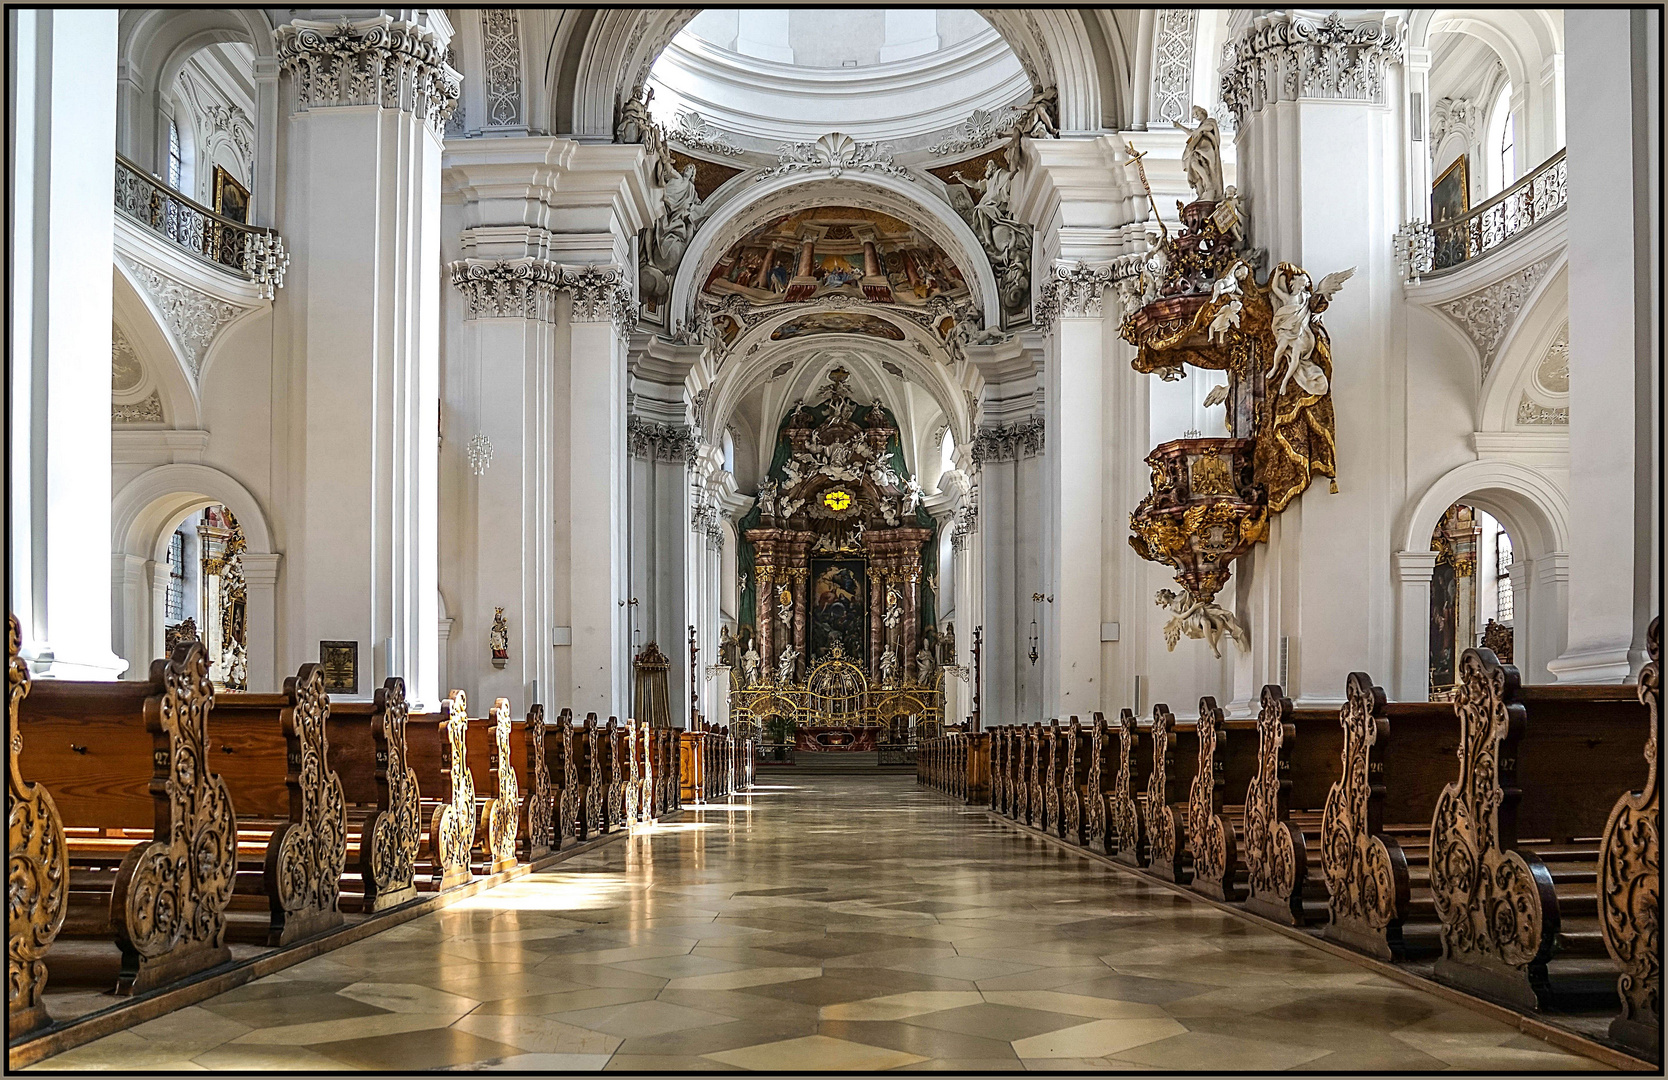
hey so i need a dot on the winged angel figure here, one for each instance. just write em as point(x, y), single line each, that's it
point(1297, 305)
point(1200, 619)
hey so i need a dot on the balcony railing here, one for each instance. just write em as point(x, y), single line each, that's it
point(1541, 195)
point(255, 254)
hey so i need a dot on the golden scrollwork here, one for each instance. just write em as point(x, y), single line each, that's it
point(1123, 820)
point(452, 829)
point(169, 903)
point(37, 864)
point(1210, 838)
point(1630, 881)
point(1164, 830)
point(1211, 475)
point(1361, 873)
point(305, 859)
point(541, 816)
point(1488, 897)
point(1276, 861)
point(396, 832)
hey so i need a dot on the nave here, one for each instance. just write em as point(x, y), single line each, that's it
point(860, 923)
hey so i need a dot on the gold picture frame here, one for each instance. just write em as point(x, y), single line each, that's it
point(1451, 193)
point(231, 199)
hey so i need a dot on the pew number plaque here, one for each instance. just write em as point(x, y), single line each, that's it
point(339, 663)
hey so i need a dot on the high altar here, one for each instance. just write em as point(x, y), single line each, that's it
point(839, 563)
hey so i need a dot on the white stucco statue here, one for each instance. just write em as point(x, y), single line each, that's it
point(1294, 333)
point(750, 665)
point(924, 666)
point(894, 607)
point(889, 666)
point(1202, 157)
point(767, 498)
point(1200, 620)
point(785, 664)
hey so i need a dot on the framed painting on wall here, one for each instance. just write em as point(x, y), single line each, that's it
point(1451, 194)
point(339, 665)
point(231, 199)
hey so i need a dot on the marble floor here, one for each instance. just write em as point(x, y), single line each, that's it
point(855, 923)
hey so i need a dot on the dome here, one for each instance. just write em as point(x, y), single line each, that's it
point(796, 74)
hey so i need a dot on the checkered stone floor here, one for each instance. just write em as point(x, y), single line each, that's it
point(835, 924)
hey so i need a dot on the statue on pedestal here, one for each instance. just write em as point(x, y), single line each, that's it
point(1202, 157)
point(889, 666)
point(786, 663)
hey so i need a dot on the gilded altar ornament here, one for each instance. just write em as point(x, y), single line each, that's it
point(499, 638)
point(37, 864)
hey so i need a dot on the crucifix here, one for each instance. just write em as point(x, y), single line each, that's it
point(1135, 157)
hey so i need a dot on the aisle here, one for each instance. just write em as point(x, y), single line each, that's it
point(849, 923)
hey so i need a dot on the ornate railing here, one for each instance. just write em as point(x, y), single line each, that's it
point(1541, 195)
point(255, 254)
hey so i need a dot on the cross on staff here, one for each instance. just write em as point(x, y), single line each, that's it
point(1135, 157)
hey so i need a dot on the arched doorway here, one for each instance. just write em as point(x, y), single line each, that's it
point(1474, 597)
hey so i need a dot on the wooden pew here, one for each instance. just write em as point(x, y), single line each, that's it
point(632, 811)
point(541, 828)
point(1175, 762)
point(128, 769)
point(1031, 806)
point(1519, 830)
point(438, 747)
point(274, 754)
point(1126, 806)
point(1298, 761)
point(619, 771)
point(976, 768)
point(998, 767)
point(385, 825)
point(1052, 746)
point(1098, 782)
point(581, 802)
point(492, 757)
point(38, 868)
point(1074, 784)
point(1226, 764)
point(1630, 875)
point(1375, 835)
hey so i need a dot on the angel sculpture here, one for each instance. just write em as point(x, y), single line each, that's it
point(1226, 319)
point(894, 607)
point(784, 605)
point(1219, 396)
point(912, 495)
point(1200, 619)
point(1294, 332)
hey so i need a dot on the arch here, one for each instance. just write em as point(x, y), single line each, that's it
point(728, 221)
point(601, 60)
point(1534, 509)
point(1529, 43)
point(143, 515)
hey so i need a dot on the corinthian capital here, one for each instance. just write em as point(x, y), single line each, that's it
point(1284, 57)
point(373, 61)
point(600, 293)
point(1075, 289)
point(526, 288)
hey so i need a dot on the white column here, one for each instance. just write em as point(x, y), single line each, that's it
point(130, 577)
point(260, 576)
point(763, 32)
point(1414, 570)
point(1308, 162)
point(1076, 452)
point(362, 217)
point(1545, 591)
point(1613, 340)
point(63, 230)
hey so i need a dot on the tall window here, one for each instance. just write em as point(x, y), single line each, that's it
point(174, 602)
point(1503, 582)
point(176, 161)
point(1502, 136)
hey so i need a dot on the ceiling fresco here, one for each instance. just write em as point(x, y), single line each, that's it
point(836, 250)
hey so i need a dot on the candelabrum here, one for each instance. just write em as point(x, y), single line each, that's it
point(266, 261)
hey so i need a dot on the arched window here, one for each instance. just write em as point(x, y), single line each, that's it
point(1500, 150)
point(176, 158)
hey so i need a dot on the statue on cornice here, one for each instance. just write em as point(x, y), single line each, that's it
point(634, 117)
point(767, 498)
point(1202, 158)
point(669, 235)
point(889, 666)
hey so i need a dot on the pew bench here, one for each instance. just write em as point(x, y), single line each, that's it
point(1216, 802)
point(1520, 828)
point(1175, 761)
point(1299, 757)
point(383, 798)
point(128, 768)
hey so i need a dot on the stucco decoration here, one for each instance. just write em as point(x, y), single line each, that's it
point(501, 43)
point(1173, 33)
point(148, 411)
point(194, 318)
point(1486, 315)
point(375, 61)
point(1284, 57)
